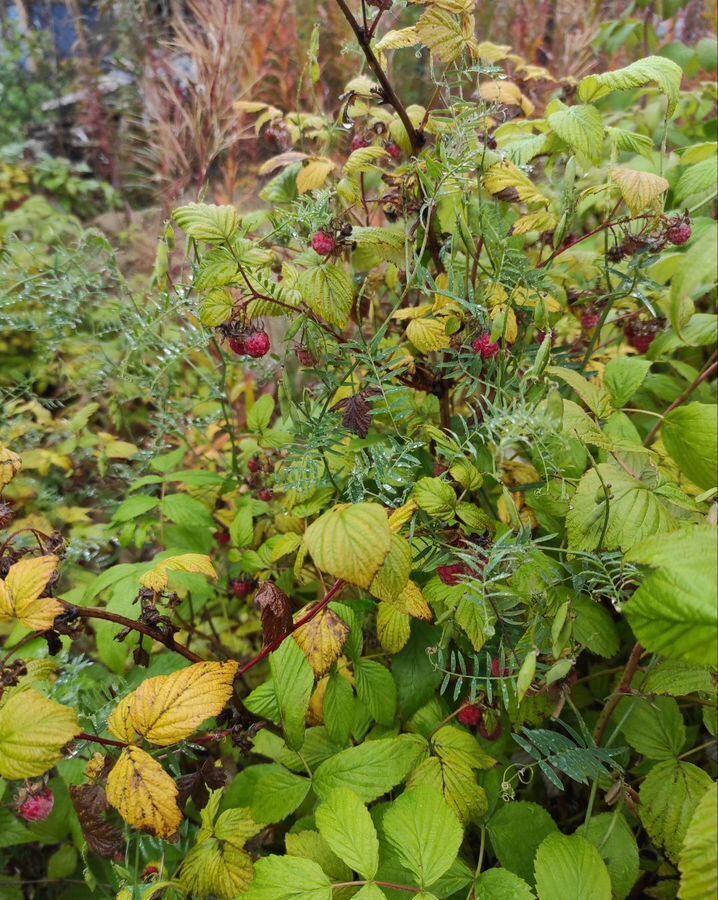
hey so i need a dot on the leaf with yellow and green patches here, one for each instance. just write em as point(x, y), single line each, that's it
point(144, 794)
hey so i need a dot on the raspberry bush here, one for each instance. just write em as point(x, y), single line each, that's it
point(418, 594)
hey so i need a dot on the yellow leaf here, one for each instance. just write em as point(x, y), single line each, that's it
point(402, 515)
point(393, 575)
point(455, 6)
point(120, 720)
point(392, 627)
point(363, 159)
point(396, 40)
point(10, 465)
point(428, 335)
point(322, 640)
point(638, 189)
point(312, 176)
point(530, 298)
point(144, 794)
point(412, 312)
point(350, 541)
point(281, 161)
point(20, 593)
point(509, 328)
point(411, 601)
point(444, 34)
point(169, 708)
point(33, 731)
point(507, 93)
point(493, 53)
point(505, 176)
point(537, 221)
point(157, 578)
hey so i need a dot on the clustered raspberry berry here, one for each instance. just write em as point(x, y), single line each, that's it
point(471, 715)
point(679, 230)
point(394, 150)
point(254, 343)
point(243, 587)
point(452, 575)
point(485, 347)
point(36, 805)
point(358, 143)
point(324, 243)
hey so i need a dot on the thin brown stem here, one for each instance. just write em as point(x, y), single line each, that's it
point(90, 612)
point(364, 39)
point(709, 370)
point(621, 691)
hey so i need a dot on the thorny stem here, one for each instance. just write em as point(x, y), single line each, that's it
point(620, 692)
point(91, 612)
point(708, 372)
point(585, 237)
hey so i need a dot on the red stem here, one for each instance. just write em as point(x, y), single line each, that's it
point(333, 592)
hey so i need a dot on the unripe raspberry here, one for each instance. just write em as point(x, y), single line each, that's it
point(266, 495)
point(323, 243)
point(358, 143)
point(237, 345)
point(679, 233)
point(485, 347)
point(37, 806)
point(257, 344)
point(394, 150)
point(451, 575)
point(470, 715)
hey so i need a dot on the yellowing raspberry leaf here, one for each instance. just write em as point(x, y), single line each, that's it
point(397, 40)
point(322, 640)
point(507, 177)
point(213, 868)
point(393, 575)
point(169, 708)
point(157, 578)
point(582, 128)
point(411, 601)
point(639, 189)
point(445, 35)
point(314, 174)
point(207, 222)
point(393, 627)
point(33, 731)
point(350, 541)
point(536, 221)
point(120, 720)
point(10, 465)
point(144, 794)
point(428, 334)
point(363, 159)
point(20, 593)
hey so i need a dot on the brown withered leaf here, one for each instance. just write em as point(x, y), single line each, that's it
point(90, 802)
point(357, 414)
point(322, 640)
point(199, 783)
point(275, 610)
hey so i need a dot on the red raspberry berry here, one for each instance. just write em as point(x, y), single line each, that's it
point(323, 243)
point(394, 150)
point(358, 143)
point(451, 575)
point(37, 806)
point(237, 345)
point(495, 668)
point(254, 464)
point(266, 495)
point(679, 232)
point(243, 587)
point(222, 537)
point(470, 715)
point(590, 320)
point(484, 346)
point(257, 344)
point(641, 342)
